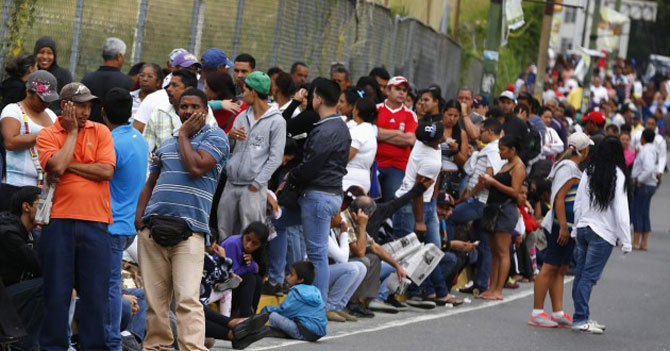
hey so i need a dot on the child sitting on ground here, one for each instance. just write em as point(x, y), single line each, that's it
point(302, 315)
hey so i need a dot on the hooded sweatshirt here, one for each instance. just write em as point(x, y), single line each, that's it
point(18, 251)
point(304, 305)
point(63, 76)
point(254, 160)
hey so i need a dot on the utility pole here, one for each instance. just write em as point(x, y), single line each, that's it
point(457, 16)
point(492, 47)
point(544, 48)
point(593, 38)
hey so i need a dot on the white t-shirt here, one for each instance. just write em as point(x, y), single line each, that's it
point(424, 161)
point(149, 104)
point(20, 167)
point(135, 94)
point(599, 94)
point(285, 106)
point(363, 139)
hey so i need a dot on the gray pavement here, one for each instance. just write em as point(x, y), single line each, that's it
point(631, 299)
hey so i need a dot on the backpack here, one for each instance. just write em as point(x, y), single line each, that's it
point(531, 147)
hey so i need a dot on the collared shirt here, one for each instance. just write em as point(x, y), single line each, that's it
point(135, 94)
point(163, 121)
point(77, 197)
point(179, 194)
point(132, 157)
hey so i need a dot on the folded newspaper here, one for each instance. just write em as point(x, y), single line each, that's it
point(417, 259)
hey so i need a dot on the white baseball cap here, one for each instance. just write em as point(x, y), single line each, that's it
point(579, 141)
point(398, 80)
point(507, 95)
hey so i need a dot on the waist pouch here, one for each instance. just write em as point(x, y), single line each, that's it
point(168, 231)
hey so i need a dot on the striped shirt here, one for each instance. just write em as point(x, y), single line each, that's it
point(179, 194)
point(480, 168)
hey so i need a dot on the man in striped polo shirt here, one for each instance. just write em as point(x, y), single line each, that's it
point(178, 194)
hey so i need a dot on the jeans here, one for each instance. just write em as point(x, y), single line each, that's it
point(296, 249)
point(641, 207)
point(286, 325)
point(75, 254)
point(403, 223)
point(344, 280)
point(135, 323)
point(316, 208)
point(390, 179)
point(28, 300)
point(386, 272)
point(449, 267)
point(472, 210)
point(119, 243)
point(277, 247)
point(591, 254)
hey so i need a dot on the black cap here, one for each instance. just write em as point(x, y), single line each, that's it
point(444, 198)
point(428, 131)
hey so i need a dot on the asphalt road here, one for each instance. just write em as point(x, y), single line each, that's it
point(631, 299)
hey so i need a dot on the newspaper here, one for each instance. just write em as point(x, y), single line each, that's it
point(416, 258)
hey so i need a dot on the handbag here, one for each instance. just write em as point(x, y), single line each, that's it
point(46, 197)
point(168, 231)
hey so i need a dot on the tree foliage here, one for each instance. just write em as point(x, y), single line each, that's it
point(21, 19)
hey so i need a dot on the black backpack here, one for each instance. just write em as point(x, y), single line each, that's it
point(531, 147)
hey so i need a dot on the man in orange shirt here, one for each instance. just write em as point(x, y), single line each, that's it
point(78, 155)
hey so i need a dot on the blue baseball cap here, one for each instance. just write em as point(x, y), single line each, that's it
point(214, 58)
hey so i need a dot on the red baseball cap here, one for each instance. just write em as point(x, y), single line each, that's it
point(595, 117)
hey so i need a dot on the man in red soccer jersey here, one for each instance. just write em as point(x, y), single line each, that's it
point(396, 124)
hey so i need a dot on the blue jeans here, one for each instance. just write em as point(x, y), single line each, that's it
point(641, 206)
point(119, 243)
point(75, 254)
point(448, 267)
point(296, 249)
point(286, 325)
point(384, 276)
point(403, 223)
point(343, 281)
point(316, 209)
point(472, 210)
point(277, 247)
point(591, 254)
point(390, 179)
point(135, 323)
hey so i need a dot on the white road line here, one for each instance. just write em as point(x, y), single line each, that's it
point(422, 318)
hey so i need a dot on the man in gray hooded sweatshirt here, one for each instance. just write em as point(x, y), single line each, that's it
point(257, 139)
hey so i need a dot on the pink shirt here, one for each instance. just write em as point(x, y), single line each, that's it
point(629, 155)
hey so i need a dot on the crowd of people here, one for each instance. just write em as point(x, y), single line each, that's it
point(153, 209)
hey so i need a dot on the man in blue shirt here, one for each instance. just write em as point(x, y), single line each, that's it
point(132, 156)
point(175, 205)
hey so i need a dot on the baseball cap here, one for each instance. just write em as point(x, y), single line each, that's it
point(174, 53)
point(77, 92)
point(44, 84)
point(185, 59)
point(480, 100)
point(579, 141)
point(507, 95)
point(428, 131)
point(444, 198)
point(258, 81)
point(214, 58)
point(398, 80)
point(595, 117)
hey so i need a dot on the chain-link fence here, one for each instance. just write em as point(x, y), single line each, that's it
point(356, 33)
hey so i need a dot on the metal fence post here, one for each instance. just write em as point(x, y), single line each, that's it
point(3, 47)
point(275, 42)
point(138, 38)
point(408, 67)
point(394, 38)
point(74, 51)
point(195, 13)
point(198, 28)
point(238, 26)
point(299, 40)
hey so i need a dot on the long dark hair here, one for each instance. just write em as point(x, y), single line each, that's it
point(221, 84)
point(262, 233)
point(601, 170)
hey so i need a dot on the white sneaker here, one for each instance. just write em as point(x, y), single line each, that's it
point(588, 327)
point(598, 325)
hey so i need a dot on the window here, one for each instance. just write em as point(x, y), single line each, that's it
point(566, 44)
point(570, 14)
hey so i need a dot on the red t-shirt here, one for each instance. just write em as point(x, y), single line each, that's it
point(223, 116)
point(389, 155)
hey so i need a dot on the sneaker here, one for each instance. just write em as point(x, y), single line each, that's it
point(272, 289)
point(598, 325)
point(511, 284)
point(381, 306)
point(358, 310)
point(564, 321)
point(130, 343)
point(542, 320)
point(471, 290)
point(243, 343)
point(347, 316)
point(418, 302)
point(391, 300)
point(588, 327)
point(333, 316)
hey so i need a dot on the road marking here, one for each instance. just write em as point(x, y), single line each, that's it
point(417, 319)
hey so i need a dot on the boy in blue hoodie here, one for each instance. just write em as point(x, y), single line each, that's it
point(302, 315)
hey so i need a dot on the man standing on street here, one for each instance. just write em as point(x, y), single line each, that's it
point(320, 177)
point(174, 209)
point(259, 135)
point(75, 246)
point(109, 75)
point(132, 156)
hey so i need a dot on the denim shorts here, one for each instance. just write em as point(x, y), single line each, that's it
point(555, 254)
point(507, 218)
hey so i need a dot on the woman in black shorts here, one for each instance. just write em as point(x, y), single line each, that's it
point(504, 189)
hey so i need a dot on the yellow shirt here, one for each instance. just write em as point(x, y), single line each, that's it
point(575, 98)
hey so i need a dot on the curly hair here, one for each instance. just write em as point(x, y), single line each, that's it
point(601, 170)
